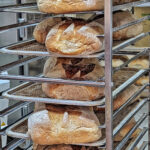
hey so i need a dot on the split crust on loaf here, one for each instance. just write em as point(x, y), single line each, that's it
point(75, 38)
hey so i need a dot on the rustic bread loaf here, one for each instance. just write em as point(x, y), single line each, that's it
point(41, 30)
point(122, 98)
point(80, 69)
point(64, 125)
point(75, 37)
point(116, 61)
point(140, 63)
point(142, 81)
point(62, 6)
point(121, 18)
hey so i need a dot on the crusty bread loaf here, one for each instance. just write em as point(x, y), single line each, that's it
point(75, 37)
point(142, 81)
point(121, 98)
point(116, 61)
point(121, 18)
point(64, 125)
point(62, 6)
point(80, 69)
point(140, 63)
point(126, 129)
point(41, 30)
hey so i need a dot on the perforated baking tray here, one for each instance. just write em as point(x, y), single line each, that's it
point(19, 130)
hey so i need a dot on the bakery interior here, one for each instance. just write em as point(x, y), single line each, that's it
point(74, 75)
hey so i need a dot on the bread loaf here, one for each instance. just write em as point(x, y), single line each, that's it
point(121, 98)
point(64, 125)
point(142, 81)
point(116, 61)
point(140, 63)
point(62, 6)
point(75, 37)
point(80, 69)
point(41, 30)
point(121, 18)
point(126, 129)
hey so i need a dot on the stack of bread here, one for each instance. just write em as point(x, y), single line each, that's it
point(55, 125)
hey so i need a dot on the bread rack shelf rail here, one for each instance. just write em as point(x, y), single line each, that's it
point(108, 70)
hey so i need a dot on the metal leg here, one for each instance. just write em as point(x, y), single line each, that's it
point(108, 75)
point(149, 107)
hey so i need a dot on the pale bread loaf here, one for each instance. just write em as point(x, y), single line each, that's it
point(64, 125)
point(62, 6)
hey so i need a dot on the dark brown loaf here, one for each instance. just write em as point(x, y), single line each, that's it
point(80, 69)
point(64, 125)
point(121, 18)
point(75, 37)
point(41, 30)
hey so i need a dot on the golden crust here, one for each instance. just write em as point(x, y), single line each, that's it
point(62, 6)
point(41, 30)
point(139, 64)
point(142, 81)
point(74, 38)
point(50, 127)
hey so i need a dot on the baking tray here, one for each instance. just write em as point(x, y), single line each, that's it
point(33, 92)
point(31, 47)
point(19, 130)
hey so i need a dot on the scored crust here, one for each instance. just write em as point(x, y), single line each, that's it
point(59, 126)
point(41, 30)
point(75, 37)
point(80, 69)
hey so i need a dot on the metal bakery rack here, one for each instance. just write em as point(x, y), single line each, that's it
point(35, 51)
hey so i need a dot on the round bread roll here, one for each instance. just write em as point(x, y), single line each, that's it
point(41, 30)
point(80, 69)
point(142, 81)
point(121, 18)
point(75, 37)
point(64, 125)
point(140, 63)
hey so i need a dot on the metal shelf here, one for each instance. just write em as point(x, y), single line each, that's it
point(106, 82)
